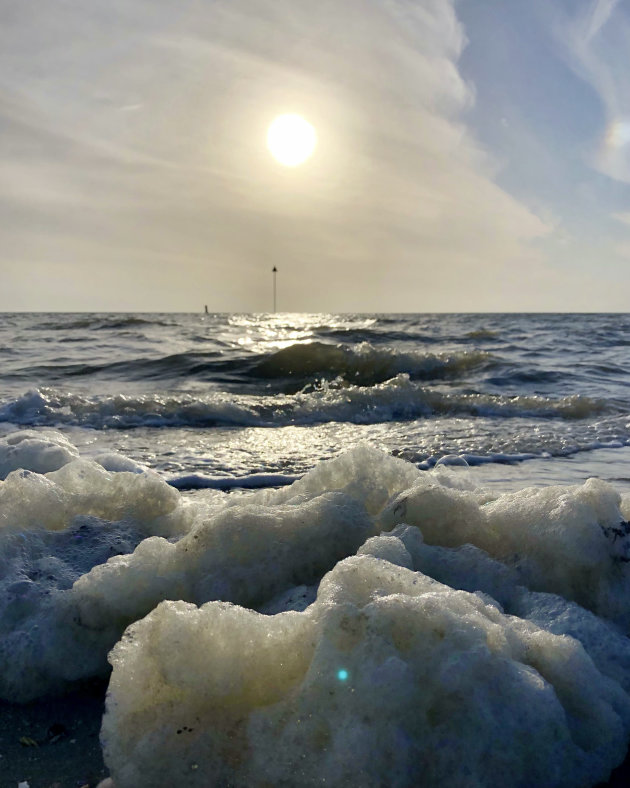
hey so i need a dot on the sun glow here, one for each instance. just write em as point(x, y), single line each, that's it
point(291, 140)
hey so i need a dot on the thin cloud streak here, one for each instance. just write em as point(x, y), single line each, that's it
point(598, 46)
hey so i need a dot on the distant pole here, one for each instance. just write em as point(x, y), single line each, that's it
point(274, 271)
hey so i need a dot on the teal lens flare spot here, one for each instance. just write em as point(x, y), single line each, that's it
point(342, 674)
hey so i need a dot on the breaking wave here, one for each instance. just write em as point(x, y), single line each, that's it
point(398, 399)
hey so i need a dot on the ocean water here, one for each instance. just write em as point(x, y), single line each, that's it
point(235, 395)
point(358, 550)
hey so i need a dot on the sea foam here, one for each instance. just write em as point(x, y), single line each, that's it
point(368, 624)
point(389, 678)
point(36, 451)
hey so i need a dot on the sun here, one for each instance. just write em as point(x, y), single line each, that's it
point(291, 139)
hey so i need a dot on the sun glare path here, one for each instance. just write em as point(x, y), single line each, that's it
point(291, 140)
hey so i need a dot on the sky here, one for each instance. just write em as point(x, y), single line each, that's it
point(471, 156)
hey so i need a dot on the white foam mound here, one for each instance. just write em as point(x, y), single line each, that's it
point(245, 554)
point(84, 552)
point(53, 529)
point(389, 678)
point(112, 461)
point(364, 473)
point(30, 500)
point(38, 451)
point(572, 541)
point(469, 568)
point(254, 550)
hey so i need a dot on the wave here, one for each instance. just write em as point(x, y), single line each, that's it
point(164, 367)
point(361, 365)
point(482, 333)
point(378, 334)
point(398, 399)
point(406, 333)
point(94, 322)
point(528, 376)
point(364, 364)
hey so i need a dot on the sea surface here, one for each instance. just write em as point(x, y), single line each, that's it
point(359, 550)
point(540, 398)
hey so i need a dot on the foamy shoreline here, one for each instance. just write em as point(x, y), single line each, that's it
point(432, 627)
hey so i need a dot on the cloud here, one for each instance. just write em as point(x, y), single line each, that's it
point(597, 41)
point(148, 122)
point(596, 17)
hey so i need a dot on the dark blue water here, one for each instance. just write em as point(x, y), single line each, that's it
point(235, 394)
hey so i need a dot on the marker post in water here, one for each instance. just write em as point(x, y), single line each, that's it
point(274, 271)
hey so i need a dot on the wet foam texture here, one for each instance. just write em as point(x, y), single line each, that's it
point(572, 541)
point(54, 528)
point(457, 637)
point(35, 451)
point(389, 678)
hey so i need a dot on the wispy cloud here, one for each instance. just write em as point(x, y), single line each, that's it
point(149, 120)
point(596, 17)
point(598, 45)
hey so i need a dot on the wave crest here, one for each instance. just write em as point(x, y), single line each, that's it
point(364, 364)
point(399, 399)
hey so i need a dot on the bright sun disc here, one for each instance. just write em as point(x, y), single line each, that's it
point(291, 139)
